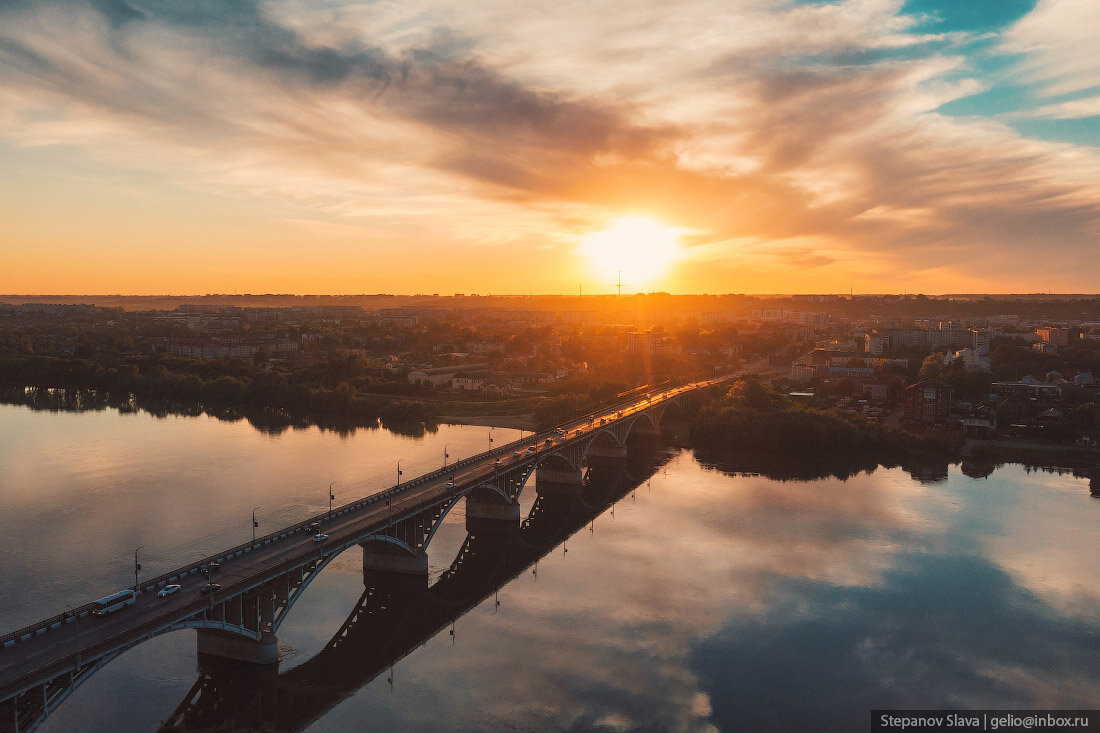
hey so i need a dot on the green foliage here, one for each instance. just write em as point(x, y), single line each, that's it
point(554, 410)
point(750, 416)
point(932, 367)
point(270, 400)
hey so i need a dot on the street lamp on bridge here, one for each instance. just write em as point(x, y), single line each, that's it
point(399, 470)
point(331, 496)
point(255, 524)
point(446, 455)
point(137, 567)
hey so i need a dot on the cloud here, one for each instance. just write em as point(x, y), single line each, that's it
point(776, 122)
point(1057, 39)
point(428, 85)
point(1073, 109)
point(941, 632)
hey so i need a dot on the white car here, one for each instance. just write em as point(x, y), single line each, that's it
point(168, 590)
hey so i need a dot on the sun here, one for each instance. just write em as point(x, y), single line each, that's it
point(642, 249)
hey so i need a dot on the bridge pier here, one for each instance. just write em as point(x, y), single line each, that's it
point(387, 564)
point(608, 452)
point(484, 517)
point(227, 645)
point(558, 481)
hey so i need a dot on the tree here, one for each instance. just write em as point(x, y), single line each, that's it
point(932, 367)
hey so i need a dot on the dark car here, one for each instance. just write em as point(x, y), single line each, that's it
point(211, 567)
point(210, 588)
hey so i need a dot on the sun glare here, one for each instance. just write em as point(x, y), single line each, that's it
point(642, 249)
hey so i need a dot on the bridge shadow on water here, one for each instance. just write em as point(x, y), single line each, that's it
point(394, 616)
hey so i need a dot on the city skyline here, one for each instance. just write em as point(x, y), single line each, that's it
point(759, 147)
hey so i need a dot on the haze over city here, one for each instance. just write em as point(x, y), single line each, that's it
point(763, 146)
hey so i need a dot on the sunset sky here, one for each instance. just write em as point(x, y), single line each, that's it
point(496, 146)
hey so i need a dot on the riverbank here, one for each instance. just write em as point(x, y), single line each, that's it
point(752, 417)
point(1029, 452)
point(524, 421)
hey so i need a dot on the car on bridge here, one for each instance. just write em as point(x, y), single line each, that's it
point(320, 537)
point(169, 590)
point(210, 588)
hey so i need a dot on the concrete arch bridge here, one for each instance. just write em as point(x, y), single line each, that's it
point(41, 664)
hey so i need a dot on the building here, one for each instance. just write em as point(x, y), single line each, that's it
point(398, 317)
point(837, 372)
point(881, 341)
point(243, 347)
point(469, 381)
point(980, 422)
point(1027, 387)
point(806, 372)
point(975, 360)
point(982, 338)
point(927, 401)
point(442, 376)
point(649, 343)
point(800, 318)
point(1051, 335)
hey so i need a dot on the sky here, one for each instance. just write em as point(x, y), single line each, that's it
point(498, 146)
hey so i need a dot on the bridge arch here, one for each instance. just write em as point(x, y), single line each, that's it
point(608, 443)
point(671, 408)
point(646, 423)
point(387, 539)
point(559, 461)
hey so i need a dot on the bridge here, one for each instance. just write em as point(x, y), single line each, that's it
point(41, 664)
point(391, 620)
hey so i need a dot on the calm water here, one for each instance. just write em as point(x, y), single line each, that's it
point(701, 601)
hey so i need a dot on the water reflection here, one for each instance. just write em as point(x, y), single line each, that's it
point(394, 616)
point(80, 490)
point(266, 420)
point(939, 632)
point(714, 595)
point(926, 468)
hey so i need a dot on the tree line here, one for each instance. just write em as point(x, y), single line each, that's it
point(751, 416)
point(268, 399)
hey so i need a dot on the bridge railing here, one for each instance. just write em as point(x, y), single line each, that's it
point(312, 522)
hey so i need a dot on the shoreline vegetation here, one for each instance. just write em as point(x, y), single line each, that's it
point(747, 428)
point(752, 429)
point(752, 416)
point(266, 400)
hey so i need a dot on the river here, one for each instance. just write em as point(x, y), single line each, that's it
point(685, 597)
